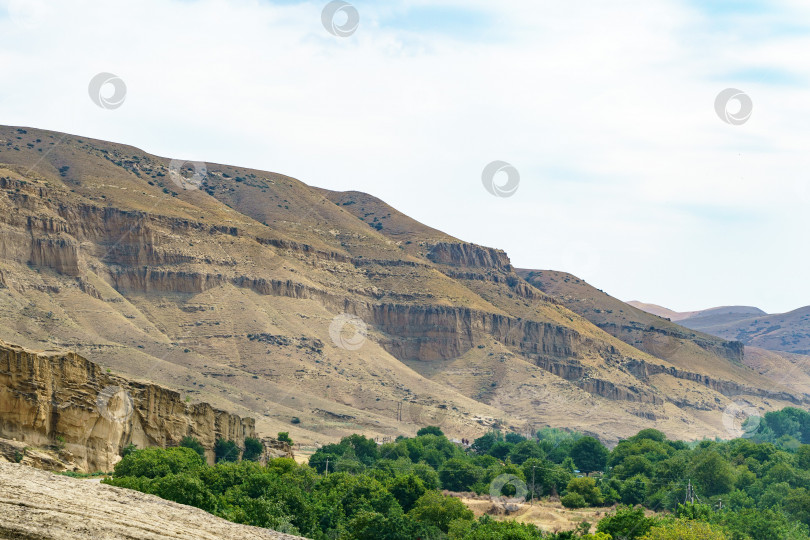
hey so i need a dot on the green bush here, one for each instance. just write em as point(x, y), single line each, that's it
point(194, 444)
point(253, 449)
point(573, 500)
point(226, 451)
point(430, 430)
point(435, 509)
point(284, 436)
point(158, 462)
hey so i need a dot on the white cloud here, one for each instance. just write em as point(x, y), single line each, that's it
point(606, 108)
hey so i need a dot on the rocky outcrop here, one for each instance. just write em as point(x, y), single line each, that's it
point(643, 370)
point(38, 505)
point(67, 402)
point(469, 255)
point(414, 332)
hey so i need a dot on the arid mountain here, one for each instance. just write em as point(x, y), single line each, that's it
point(707, 316)
point(38, 504)
point(787, 332)
point(254, 291)
point(683, 347)
point(707, 319)
point(661, 311)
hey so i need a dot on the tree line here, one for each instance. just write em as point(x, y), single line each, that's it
point(753, 488)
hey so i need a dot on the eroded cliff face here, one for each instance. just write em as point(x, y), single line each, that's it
point(463, 254)
point(114, 256)
point(68, 402)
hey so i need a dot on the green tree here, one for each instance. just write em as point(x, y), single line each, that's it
point(226, 451)
point(803, 457)
point(713, 474)
point(589, 454)
point(435, 509)
point(194, 444)
point(685, 530)
point(694, 511)
point(406, 490)
point(587, 488)
point(284, 436)
point(459, 475)
point(487, 528)
point(430, 430)
point(626, 523)
point(185, 489)
point(482, 444)
point(525, 450)
point(634, 490)
point(158, 462)
point(253, 449)
point(501, 449)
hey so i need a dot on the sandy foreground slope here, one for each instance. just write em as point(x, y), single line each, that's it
point(38, 505)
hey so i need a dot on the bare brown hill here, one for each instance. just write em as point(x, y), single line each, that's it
point(247, 293)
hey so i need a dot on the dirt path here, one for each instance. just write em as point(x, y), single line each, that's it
point(549, 516)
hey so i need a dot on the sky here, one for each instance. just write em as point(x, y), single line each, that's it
point(630, 176)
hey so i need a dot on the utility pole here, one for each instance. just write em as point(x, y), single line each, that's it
point(719, 505)
point(327, 466)
point(690, 493)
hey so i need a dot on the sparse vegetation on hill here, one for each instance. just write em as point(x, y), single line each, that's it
point(227, 292)
point(736, 490)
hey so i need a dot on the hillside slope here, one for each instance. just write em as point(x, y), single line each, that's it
point(248, 293)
